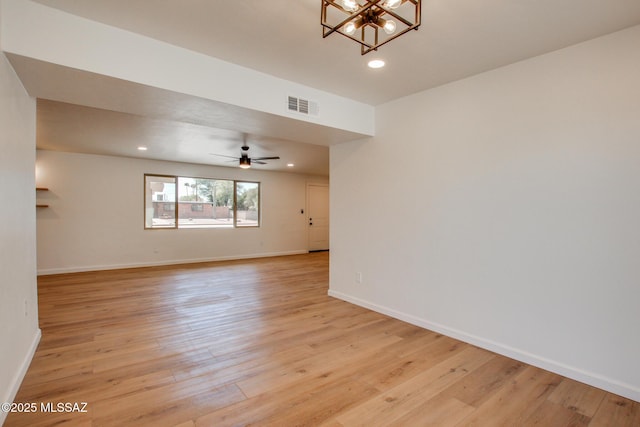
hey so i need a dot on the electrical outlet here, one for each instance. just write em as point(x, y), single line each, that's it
point(359, 277)
point(26, 308)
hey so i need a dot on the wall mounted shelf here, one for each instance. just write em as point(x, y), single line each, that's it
point(38, 205)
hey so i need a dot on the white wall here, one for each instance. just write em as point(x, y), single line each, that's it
point(506, 209)
point(95, 219)
point(19, 333)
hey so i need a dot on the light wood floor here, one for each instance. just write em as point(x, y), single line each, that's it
point(259, 342)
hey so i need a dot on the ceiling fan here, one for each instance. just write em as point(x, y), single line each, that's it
point(244, 159)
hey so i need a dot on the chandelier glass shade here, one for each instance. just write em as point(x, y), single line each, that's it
point(371, 23)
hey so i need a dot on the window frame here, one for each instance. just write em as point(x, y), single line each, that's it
point(144, 201)
point(235, 204)
point(176, 203)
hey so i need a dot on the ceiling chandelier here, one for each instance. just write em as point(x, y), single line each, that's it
point(372, 23)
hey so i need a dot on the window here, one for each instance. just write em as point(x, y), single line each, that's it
point(159, 189)
point(200, 202)
point(247, 202)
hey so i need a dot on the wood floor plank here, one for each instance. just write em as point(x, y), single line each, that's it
point(392, 404)
point(553, 414)
point(315, 365)
point(259, 342)
point(576, 397)
point(481, 384)
point(165, 406)
point(517, 401)
point(412, 361)
point(616, 411)
point(441, 411)
point(310, 402)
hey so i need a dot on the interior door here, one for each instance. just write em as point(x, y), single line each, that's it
point(318, 216)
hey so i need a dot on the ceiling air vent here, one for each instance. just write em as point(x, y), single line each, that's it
point(302, 106)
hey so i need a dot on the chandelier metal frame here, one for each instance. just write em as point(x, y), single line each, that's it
point(368, 14)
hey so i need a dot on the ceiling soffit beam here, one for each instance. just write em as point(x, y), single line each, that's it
point(75, 43)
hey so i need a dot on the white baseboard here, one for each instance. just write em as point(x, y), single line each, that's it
point(596, 380)
point(80, 269)
point(16, 381)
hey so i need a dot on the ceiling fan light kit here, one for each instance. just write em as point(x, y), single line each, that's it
point(371, 23)
point(245, 162)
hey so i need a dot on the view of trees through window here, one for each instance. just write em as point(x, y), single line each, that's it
point(247, 203)
point(200, 202)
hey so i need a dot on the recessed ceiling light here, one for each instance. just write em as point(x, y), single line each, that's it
point(142, 148)
point(290, 165)
point(376, 63)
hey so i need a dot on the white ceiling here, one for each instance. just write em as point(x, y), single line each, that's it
point(457, 39)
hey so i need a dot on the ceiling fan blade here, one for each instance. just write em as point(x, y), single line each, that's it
point(266, 158)
point(222, 155)
point(258, 162)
